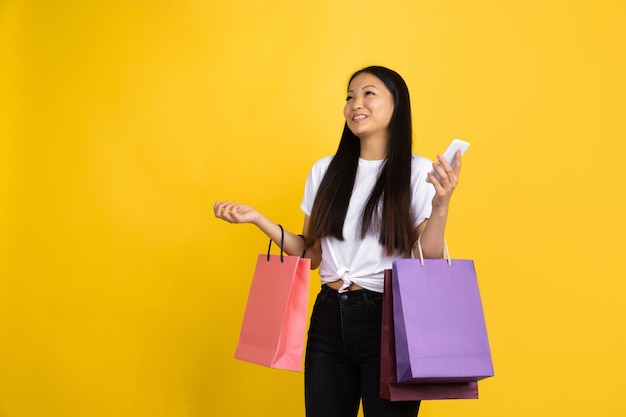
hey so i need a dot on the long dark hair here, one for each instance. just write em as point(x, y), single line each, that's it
point(393, 185)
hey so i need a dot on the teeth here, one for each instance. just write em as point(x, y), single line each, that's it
point(360, 117)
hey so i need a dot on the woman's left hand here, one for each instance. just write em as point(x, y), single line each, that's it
point(449, 179)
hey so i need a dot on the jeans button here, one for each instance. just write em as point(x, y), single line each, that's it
point(343, 297)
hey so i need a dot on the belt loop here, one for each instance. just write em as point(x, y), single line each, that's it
point(366, 299)
point(324, 293)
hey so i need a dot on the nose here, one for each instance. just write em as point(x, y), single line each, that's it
point(357, 103)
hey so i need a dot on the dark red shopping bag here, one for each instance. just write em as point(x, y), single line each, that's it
point(390, 389)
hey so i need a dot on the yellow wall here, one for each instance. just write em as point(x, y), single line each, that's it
point(121, 122)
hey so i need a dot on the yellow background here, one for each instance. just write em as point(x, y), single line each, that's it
point(121, 122)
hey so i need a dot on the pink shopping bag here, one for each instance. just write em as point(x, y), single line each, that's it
point(274, 323)
point(390, 389)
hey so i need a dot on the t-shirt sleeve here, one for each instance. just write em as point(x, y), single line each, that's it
point(313, 183)
point(423, 191)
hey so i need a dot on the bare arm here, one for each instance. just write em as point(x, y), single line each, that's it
point(314, 253)
point(294, 244)
point(432, 230)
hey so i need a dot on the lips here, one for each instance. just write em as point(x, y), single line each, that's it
point(359, 117)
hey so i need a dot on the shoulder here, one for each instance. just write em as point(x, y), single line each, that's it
point(420, 165)
point(323, 162)
point(321, 165)
point(318, 171)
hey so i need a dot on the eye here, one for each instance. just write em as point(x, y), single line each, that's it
point(348, 98)
point(369, 93)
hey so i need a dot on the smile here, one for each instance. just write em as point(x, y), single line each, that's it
point(359, 117)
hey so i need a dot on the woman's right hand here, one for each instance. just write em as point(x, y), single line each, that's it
point(235, 213)
point(293, 244)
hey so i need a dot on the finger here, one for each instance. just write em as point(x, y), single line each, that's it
point(440, 169)
point(451, 176)
point(226, 209)
point(230, 213)
point(218, 208)
point(436, 183)
point(222, 210)
point(443, 163)
point(455, 173)
point(457, 160)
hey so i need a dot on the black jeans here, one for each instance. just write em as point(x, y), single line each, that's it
point(342, 365)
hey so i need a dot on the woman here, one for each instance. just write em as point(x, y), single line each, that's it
point(364, 207)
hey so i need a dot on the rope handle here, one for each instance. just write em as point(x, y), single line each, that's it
point(303, 241)
point(282, 245)
point(446, 252)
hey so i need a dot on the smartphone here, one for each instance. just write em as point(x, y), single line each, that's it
point(448, 155)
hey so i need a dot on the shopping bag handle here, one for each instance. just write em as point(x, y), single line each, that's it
point(446, 252)
point(282, 245)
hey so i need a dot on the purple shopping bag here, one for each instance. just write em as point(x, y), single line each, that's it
point(440, 330)
point(390, 389)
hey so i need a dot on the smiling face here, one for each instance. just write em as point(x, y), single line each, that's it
point(369, 107)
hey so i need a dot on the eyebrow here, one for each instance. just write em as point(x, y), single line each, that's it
point(350, 91)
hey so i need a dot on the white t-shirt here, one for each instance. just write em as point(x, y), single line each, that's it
point(357, 260)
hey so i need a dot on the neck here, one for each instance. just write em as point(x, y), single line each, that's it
point(373, 148)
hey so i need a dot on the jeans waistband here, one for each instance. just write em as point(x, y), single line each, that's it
point(368, 296)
